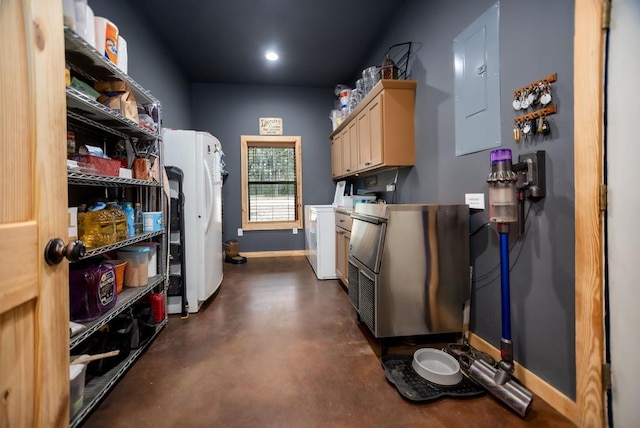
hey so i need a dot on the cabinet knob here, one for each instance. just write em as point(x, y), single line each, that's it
point(367, 163)
point(56, 250)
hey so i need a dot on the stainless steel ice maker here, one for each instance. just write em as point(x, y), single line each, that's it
point(409, 268)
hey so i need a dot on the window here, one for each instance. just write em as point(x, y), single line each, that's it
point(271, 182)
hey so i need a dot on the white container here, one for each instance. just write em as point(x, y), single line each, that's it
point(152, 221)
point(106, 38)
point(69, 14)
point(76, 375)
point(90, 30)
point(123, 56)
point(80, 10)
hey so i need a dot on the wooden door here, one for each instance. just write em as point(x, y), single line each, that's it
point(34, 302)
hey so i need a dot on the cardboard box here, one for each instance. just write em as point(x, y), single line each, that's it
point(122, 102)
point(111, 86)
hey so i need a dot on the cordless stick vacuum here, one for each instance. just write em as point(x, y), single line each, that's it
point(503, 209)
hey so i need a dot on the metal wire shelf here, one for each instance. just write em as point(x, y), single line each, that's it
point(125, 299)
point(82, 179)
point(97, 125)
point(100, 386)
point(79, 101)
point(87, 58)
point(120, 244)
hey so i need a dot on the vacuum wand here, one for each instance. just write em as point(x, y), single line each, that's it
point(505, 366)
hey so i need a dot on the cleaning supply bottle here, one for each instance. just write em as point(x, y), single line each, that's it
point(137, 222)
point(129, 213)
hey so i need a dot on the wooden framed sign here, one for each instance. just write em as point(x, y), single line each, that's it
point(270, 126)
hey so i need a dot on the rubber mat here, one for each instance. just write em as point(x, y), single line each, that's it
point(412, 386)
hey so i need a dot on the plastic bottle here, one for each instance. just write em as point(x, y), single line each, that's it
point(98, 227)
point(119, 219)
point(129, 212)
point(137, 222)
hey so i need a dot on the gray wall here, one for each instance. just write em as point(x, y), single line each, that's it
point(149, 64)
point(228, 111)
point(536, 39)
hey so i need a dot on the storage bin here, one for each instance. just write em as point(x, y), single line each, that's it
point(119, 266)
point(152, 256)
point(136, 273)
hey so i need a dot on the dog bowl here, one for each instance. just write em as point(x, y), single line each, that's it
point(436, 366)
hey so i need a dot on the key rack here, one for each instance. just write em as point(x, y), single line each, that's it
point(536, 114)
point(549, 79)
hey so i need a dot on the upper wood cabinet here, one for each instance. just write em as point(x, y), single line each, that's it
point(380, 132)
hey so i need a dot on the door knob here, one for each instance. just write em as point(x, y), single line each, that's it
point(56, 250)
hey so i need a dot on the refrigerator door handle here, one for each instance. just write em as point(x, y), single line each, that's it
point(209, 197)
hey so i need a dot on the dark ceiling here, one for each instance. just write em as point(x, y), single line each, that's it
point(320, 42)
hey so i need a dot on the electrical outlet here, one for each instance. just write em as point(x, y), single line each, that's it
point(239, 231)
point(391, 187)
point(295, 230)
point(474, 200)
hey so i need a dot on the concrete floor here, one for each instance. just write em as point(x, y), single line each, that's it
point(278, 348)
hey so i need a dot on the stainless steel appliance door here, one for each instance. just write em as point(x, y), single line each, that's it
point(367, 239)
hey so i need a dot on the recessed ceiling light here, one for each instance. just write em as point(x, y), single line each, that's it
point(271, 56)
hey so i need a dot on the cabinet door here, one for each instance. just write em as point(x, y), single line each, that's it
point(346, 152)
point(34, 298)
point(364, 141)
point(349, 149)
point(376, 130)
point(342, 254)
point(370, 137)
point(336, 156)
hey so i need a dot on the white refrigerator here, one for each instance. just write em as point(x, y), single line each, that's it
point(199, 155)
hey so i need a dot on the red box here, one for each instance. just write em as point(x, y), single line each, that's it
point(110, 167)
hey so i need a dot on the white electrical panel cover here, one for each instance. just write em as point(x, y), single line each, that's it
point(477, 84)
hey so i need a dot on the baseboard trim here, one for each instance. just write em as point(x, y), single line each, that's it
point(259, 254)
point(538, 386)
